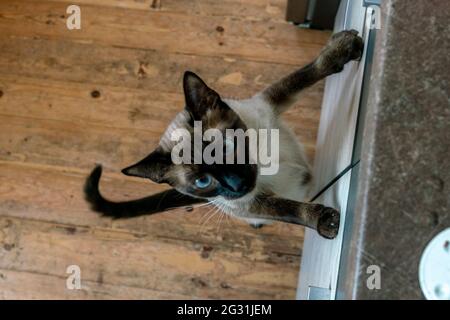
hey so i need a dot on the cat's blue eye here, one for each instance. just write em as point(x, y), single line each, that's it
point(203, 182)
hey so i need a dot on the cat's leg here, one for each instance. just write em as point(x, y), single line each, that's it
point(341, 48)
point(316, 216)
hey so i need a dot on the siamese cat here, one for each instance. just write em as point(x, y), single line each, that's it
point(238, 189)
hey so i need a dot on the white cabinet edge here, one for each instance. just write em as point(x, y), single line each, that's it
point(321, 257)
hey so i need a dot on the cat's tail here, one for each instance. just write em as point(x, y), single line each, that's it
point(158, 202)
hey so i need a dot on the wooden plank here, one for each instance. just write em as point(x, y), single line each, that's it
point(60, 61)
point(133, 108)
point(254, 40)
point(140, 69)
point(54, 194)
point(116, 107)
point(22, 285)
point(248, 9)
point(149, 111)
point(65, 143)
point(119, 258)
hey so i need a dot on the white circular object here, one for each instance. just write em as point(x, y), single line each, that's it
point(434, 268)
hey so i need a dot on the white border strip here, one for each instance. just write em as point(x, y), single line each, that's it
point(320, 258)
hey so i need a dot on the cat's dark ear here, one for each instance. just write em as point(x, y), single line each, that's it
point(199, 97)
point(153, 167)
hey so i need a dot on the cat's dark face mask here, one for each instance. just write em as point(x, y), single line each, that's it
point(230, 181)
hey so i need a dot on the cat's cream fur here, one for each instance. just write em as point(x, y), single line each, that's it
point(257, 113)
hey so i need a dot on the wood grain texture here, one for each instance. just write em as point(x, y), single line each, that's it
point(53, 131)
point(51, 287)
point(249, 9)
point(165, 31)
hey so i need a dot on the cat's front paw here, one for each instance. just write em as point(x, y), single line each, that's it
point(343, 47)
point(328, 224)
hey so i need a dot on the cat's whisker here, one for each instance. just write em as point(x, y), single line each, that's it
point(203, 215)
point(227, 219)
point(207, 214)
point(209, 203)
point(220, 220)
point(224, 214)
point(210, 212)
point(205, 204)
point(209, 218)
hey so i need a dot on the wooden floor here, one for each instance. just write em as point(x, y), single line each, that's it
point(54, 128)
